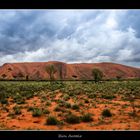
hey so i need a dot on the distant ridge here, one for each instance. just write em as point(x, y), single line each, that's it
point(79, 71)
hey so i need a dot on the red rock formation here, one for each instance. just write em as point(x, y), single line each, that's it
point(36, 70)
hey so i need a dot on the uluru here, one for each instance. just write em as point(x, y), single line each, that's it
point(79, 71)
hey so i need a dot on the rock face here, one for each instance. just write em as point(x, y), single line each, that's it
point(81, 71)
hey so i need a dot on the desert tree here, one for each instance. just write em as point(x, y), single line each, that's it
point(64, 71)
point(118, 77)
point(97, 74)
point(27, 77)
point(51, 70)
point(60, 70)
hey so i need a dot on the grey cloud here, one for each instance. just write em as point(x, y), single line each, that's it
point(131, 18)
point(70, 36)
point(27, 30)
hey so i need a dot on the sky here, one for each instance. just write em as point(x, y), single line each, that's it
point(71, 36)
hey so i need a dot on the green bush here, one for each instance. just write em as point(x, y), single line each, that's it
point(86, 101)
point(29, 95)
point(75, 107)
point(45, 111)
point(66, 97)
point(87, 117)
point(17, 110)
point(52, 120)
point(67, 105)
point(106, 113)
point(97, 74)
point(91, 96)
point(81, 104)
point(37, 112)
point(30, 108)
point(61, 103)
point(57, 109)
point(19, 99)
point(108, 96)
point(4, 101)
point(48, 103)
point(72, 119)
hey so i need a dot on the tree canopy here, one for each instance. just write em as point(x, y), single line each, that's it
point(51, 70)
point(97, 75)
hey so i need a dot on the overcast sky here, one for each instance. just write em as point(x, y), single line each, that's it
point(72, 36)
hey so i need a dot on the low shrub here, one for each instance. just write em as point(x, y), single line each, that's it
point(87, 117)
point(106, 113)
point(45, 111)
point(4, 101)
point(91, 96)
point(57, 109)
point(67, 105)
point(19, 99)
point(66, 97)
point(108, 96)
point(52, 120)
point(75, 107)
point(86, 101)
point(81, 104)
point(48, 103)
point(72, 119)
point(30, 108)
point(17, 110)
point(37, 112)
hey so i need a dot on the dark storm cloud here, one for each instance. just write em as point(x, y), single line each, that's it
point(70, 36)
point(23, 32)
point(131, 18)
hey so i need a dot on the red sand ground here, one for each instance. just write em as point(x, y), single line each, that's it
point(121, 120)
